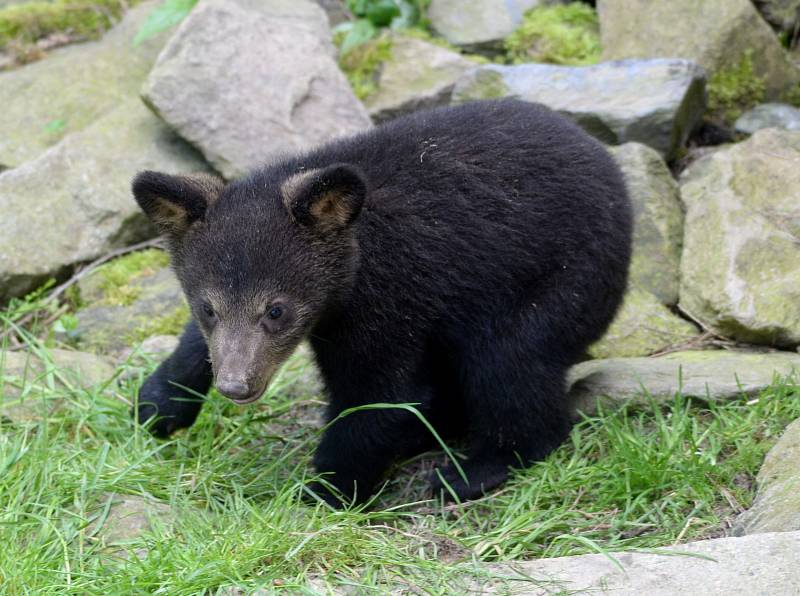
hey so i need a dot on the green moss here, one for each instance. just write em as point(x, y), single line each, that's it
point(362, 65)
point(792, 96)
point(26, 23)
point(115, 277)
point(169, 324)
point(735, 89)
point(560, 34)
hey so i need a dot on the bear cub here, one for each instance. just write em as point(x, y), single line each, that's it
point(461, 259)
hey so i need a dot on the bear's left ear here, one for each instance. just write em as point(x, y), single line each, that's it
point(327, 198)
point(174, 203)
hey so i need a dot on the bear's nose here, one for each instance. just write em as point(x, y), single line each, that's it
point(233, 389)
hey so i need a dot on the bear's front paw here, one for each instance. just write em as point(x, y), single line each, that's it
point(482, 477)
point(164, 407)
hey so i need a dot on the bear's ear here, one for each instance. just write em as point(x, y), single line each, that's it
point(174, 203)
point(327, 198)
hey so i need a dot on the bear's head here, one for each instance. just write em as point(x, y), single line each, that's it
point(260, 260)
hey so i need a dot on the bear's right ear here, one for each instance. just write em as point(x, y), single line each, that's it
point(174, 203)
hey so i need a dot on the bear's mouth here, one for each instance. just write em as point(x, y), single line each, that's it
point(247, 400)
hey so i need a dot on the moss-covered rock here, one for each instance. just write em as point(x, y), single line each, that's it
point(777, 504)
point(643, 326)
point(128, 301)
point(734, 89)
point(658, 221)
point(30, 21)
point(740, 268)
point(559, 34)
point(717, 34)
point(407, 74)
point(72, 88)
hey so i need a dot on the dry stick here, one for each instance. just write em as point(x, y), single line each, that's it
point(83, 272)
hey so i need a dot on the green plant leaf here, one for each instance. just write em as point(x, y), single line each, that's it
point(167, 15)
point(361, 32)
point(409, 15)
point(382, 12)
point(358, 7)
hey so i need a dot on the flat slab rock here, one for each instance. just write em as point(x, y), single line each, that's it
point(656, 102)
point(759, 565)
point(247, 81)
point(714, 375)
point(777, 504)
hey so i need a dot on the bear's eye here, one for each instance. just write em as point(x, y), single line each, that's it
point(208, 310)
point(275, 313)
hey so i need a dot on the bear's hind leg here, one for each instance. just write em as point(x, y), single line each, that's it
point(163, 397)
point(514, 392)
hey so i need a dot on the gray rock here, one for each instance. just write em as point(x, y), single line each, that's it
point(30, 386)
point(716, 36)
point(760, 565)
point(713, 375)
point(111, 328)
point(125, 519)
point(300, 376)
point(740, 268)
point(769, 115)
point(418, 75)
point(72, 88)
point(477, 23)
point(75, 198)
point(658, 221)
point(643, 326)
point(655, 102)
point(248, 81)
point(777, 504)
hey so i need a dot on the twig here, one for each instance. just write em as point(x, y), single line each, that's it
point(80, 274)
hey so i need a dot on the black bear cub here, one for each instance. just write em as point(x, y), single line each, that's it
point(460, 259)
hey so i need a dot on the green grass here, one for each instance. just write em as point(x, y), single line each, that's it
point(31, 21)
point(625, 480)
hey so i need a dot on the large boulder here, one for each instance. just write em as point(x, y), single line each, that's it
point(478, 23)
point(73, 203)
point(655, 102)
point(777, 505)
point(765, 564)
point(717, 34)
point(740, 268)
point(417, 74)
point(248, 81)
point(658, 221)
point(72, 88)
point(713, 375)
point(643, 326)
point(769, 115)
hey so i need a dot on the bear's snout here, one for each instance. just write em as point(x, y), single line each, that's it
point(234, 389)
